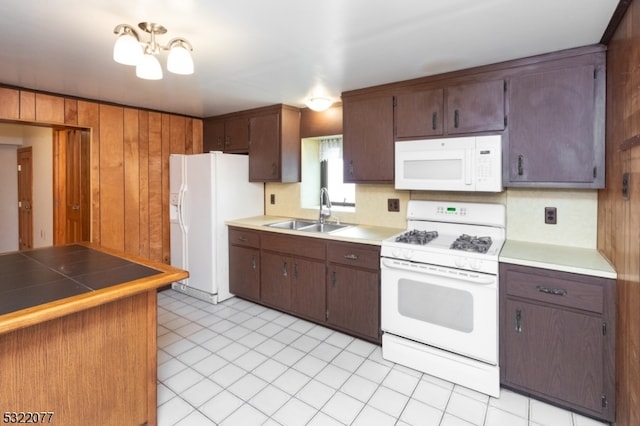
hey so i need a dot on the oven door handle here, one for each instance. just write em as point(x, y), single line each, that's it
point(424, 269)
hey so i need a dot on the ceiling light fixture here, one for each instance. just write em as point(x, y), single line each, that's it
point(129, 50)
point(319, 103)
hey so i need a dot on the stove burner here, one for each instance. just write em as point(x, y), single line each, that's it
point(417, 237)
point(468, 243)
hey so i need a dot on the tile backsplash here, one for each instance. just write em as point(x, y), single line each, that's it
point(577, 210)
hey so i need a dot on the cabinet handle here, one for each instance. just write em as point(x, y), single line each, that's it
point(295, 270)
point(254, 264)
point(456, 119)
point(220, 143)
point(351, 256)
point(227, 141)
point(284, 269)
point(553, 291)
point(333, 279)
point(434, 121)
point(273, 169)
point(520, 165)
point(243, 239)
point(518, 321)
point(351, 168)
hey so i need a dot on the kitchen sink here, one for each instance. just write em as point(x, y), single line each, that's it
point(308, 225)
point(292, 224)
point(323, 227)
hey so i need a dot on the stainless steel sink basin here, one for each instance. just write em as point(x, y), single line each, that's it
point(308, 225)
point(323, 227)
point(292, 224)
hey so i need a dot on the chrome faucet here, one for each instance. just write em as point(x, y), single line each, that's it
point(324, 214)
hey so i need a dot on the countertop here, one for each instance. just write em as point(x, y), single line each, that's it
point(559, 258)
point(46, 283)
point(363, 234)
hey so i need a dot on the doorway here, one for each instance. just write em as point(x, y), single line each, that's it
point(71, 214)
point(25, 198)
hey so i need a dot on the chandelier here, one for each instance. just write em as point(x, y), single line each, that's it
point(130, 50)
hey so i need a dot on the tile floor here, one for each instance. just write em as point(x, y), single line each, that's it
point(241, 364)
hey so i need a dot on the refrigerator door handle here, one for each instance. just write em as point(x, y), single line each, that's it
point(180, 209)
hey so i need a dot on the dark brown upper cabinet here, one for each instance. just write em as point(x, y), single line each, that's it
point(556, 126)
point(475, 107)
point(274, 147)
point(230, 134)
point(368, 139)
point(419, 114)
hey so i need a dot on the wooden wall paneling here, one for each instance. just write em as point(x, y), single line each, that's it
point(131, 182)
point(27, 105)
point(178, 134)
point(89, 117)
point(111, 177)
point(194, 129)
point(155, 187)
point(166, 150)
point(619, 217)
point(143, 169)
point(71, 111)
point(49, 108)
point(9, 103)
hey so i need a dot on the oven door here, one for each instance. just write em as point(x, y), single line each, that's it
point(447, 308)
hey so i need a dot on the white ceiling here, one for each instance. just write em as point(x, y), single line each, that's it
point(251, 53)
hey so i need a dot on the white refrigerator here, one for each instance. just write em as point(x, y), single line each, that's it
point(205, 191)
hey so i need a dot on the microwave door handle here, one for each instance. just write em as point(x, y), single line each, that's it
point(468, 160)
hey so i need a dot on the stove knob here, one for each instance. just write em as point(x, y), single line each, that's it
point(460, 262)
point(408, 254)
point(395, 252)
point(475, 264)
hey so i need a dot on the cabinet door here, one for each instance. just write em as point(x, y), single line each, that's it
point(214, 137)
point(308, 289)
point(264, 151)
point(368, 139)
point(353, 301)
point(236, 134)
point(551, 127)
point(244, 272)
point(555, 353)
point(419, 114)
point(275, 278)
point(475, 107)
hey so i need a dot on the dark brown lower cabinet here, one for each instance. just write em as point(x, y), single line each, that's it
point(353, 289)
point(557, 333)
point(244, 264)
point(332, 283)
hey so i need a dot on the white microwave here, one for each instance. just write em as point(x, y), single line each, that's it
point(472, 163)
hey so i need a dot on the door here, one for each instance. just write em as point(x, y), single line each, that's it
point(71, 186)
point(25, 198)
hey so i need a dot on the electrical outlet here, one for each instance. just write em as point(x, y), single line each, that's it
point(550, 215)
point(272, 198)
point(393, 204)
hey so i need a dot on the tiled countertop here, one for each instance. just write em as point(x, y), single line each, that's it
point(559, 258)
point(364, 234)
point(46, 283)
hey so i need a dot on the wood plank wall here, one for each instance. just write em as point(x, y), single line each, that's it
point(619, 217)
point(129, 163)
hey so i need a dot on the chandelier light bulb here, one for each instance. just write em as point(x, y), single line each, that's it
point(149, 68)
point(130, 50)
point(179, 60)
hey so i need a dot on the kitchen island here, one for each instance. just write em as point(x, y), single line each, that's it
point(78, 327)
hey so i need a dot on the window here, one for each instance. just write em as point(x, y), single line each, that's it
point(322, 166)
point(331, 170)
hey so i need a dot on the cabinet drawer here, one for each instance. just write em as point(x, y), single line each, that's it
point(297, 246)
point(243, 237)
point(360, 255)
point(557, 290)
